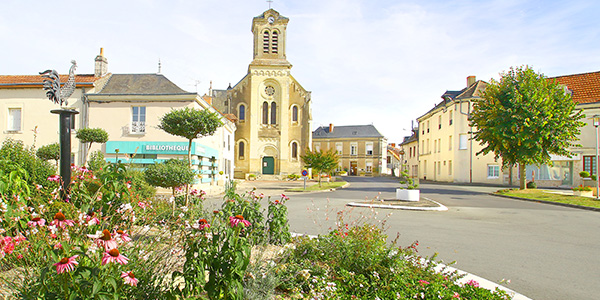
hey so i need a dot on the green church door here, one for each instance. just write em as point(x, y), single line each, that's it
point(268, 165)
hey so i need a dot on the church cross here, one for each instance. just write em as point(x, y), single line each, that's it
point(270, 1)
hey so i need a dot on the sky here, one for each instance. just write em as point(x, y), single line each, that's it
point(380, 62)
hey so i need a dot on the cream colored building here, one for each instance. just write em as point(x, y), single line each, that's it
point(410, 154)
point(362, 149)
point(272, 109)
point(446, 150)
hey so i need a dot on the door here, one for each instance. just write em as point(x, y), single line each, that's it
point(353, 168)
point(268, 165)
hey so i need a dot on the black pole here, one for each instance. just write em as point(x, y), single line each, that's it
point(65, 148)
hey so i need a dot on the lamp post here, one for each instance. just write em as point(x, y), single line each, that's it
point(596, 123)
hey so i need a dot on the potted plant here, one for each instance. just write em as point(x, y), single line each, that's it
point(581, 190)
point(251, 177)
point(410, 192)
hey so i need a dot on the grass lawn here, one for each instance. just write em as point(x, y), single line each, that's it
point(315, 186)
point(535, 194)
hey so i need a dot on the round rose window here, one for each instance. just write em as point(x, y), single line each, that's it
point(270, 91)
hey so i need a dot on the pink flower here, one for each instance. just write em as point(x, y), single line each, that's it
point(123, 235)
point(91, 219)
point(54, 178)
point(61, 221)
point(112, 256)
point(473, 283)
point(234, 221)
point(66, 264)
point(201, 224)
point(7, 245)
point(128, 278)
point(456, 295)
point(423, 282)
point(37, 221)
point(104, 239)
point(142, 204)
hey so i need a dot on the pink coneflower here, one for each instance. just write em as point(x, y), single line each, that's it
point(61, 221)
point(201, 224)
point(234, 221)
point(37, 221)
point(423, 282)
point(54, 178)
point(7, 245)
point(129, 278)
point(66, 264)
point(123, 235)
point(142, 205)
point(104, 239)
point(113, 255)
point(91, 219)
point(473, 283)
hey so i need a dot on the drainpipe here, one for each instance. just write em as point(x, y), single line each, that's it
point(468, 114)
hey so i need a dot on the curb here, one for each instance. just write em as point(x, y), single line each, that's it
point(321, 191)
point(483, 283)
point(548, 202)
point(440, 207)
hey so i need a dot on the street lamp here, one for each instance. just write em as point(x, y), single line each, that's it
point(596, 122)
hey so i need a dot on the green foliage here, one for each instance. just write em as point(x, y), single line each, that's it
point(96, 162)
point(593, 177)
point(531, 185)
point(48, 152)
point(584, 174)
point(524, 117)
point(277, 222)
point(409, 181)
point(15, 156)
point(293, 176)
point(92, 135)
point(171, 173)
point(247, 205)
point(322, 162)
point(190, 123)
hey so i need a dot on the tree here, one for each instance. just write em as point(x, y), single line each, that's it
point(191, 124)
point(169, 174)
point(525, 117)
point(48, 152)
point(90, 136)
point(321, 161)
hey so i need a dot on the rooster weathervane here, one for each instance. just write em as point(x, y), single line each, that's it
point(52, 87)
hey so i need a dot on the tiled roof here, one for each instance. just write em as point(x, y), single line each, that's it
point(352, 131)
point(22, 81)
point(140, 84)
point(585, 87)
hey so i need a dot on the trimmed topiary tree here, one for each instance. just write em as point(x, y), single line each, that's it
point(90, 136)
point(169, 174)
point(49, 152)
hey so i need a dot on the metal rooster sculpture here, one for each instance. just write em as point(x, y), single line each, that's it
point(52, 85)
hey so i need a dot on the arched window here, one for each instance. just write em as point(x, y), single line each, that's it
point(242, 112)
point(273, 113)
point(294, 150)
point(241, 150)
point(294, 113)
point(265, 113)
point(274, 42)
point(266, 41)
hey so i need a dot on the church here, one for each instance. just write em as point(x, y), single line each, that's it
point(272, 109)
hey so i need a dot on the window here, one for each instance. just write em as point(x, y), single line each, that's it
point(266, 41)
point(138, 120)
point(241, 150)
point(440, 122)
point(423, 147)
point(274, 41)
point(294, 150)
point(427, 126)
point(449, 167)
point(428, 146)
point(338, 148)
point(369, 147)
point(435, 146)
point(14, 119)
point(439, 168)
point(440, 145)
point(369, 167)
point(589, 164)
point(450, 118)
point(273, 113)
point(493, 171)
point(294, 113)
point(242, 113)
point(353, 149)
point(389, 159)
point(228, 142)
point(450, 143)
point(72, 118)
point(265, 113)
point(317, 147)
point(462, 142)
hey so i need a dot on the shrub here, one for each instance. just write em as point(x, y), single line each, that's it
point(49, 152)
point(96, 162)
point(531, 185)
point(171, 173)
point(582, 188)
point(584, 174)
point(16, 155)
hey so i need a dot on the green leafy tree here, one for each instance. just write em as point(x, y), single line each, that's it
point(48, 152)
point(525, 117)
point(190, 123)
point(90, 136)
point(322, 162)
point(15, 156)
point(169, 174)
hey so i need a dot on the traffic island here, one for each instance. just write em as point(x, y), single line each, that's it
point(425, 204)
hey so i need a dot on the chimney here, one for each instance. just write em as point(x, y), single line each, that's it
point(393, 145)
point(330, 127)
point(470, 80)
point(101, 64)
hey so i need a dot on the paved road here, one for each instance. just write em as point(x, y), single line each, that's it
point(548, 252)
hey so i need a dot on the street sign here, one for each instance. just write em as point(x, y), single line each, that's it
point(304, 173)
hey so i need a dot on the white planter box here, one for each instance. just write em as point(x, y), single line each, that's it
point(584, 193)
point(407, 195)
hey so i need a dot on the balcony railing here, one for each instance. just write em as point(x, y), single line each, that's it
point(138, 127)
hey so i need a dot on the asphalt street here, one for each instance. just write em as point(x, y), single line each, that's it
point(546, 251)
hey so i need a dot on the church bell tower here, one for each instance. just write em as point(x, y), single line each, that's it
point(269, 31)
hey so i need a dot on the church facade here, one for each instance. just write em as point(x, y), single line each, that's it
point(273, 110)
